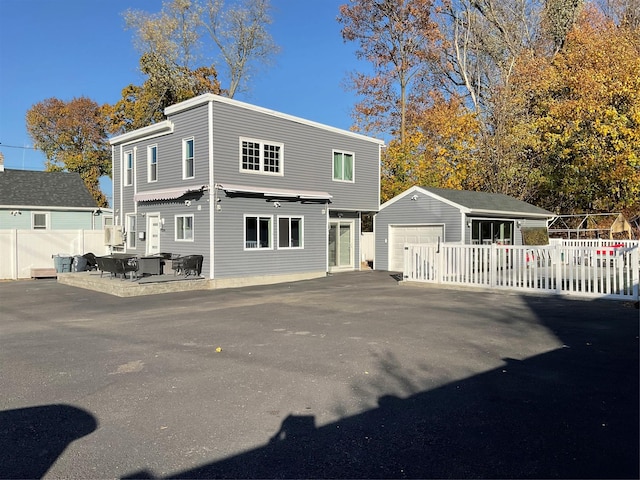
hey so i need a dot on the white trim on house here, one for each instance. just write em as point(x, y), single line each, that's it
point(157, 129)
point(210, 97)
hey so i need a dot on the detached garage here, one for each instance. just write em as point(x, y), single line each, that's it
point(432, 215)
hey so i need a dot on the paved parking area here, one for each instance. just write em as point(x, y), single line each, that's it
point(348, 376)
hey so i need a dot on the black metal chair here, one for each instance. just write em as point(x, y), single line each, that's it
point(192, 265)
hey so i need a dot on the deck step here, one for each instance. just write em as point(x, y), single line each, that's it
point(43, 273)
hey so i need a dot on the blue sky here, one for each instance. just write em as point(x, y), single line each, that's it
point(73, 48)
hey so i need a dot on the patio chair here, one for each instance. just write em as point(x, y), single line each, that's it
point(192, 265)
point(92, 264)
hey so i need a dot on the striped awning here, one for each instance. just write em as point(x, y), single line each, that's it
point(167, 193)
point(275, 192)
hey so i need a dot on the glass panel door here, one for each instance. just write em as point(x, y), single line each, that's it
point(341, 245)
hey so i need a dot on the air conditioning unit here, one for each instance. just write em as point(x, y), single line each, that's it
point(113, 235)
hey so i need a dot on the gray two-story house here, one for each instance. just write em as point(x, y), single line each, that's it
point(264, 196)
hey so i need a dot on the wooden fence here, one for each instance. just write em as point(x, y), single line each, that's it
point(23, 250)
point(593, 271)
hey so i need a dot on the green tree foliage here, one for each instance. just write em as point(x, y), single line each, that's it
point(73, 137)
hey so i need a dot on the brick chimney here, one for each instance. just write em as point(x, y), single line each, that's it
point(1, 162)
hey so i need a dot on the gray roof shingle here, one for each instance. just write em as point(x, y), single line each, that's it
point(44, 189)
point(496, 202)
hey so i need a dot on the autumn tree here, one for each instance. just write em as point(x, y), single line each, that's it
point(73, 137)
point(165, 85)
point(241, 35)
point(439, 149)
point(397, 38)
point(586, 100)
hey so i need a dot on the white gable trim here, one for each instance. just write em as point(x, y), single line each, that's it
point(418, 190)
point(155, 130)
point(210, 97)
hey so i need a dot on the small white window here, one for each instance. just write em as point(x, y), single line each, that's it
point(184, 228)
point(40, 221)
point(188, 167)
point(152, 163)
point(131, 230)
point(343, 166)
point(257, 232)
point(257, 156)
point(128, 174)
point(290, 232)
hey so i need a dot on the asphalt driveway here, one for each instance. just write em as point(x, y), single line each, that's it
point(346, 376)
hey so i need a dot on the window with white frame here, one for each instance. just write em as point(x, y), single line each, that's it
point(290, 232)
point(40, 221)
point(128, 163)
point(257, 232)
point(132, 232)
point(188, 170)
point(257, 156)
point(343, 166)
point(184, 228)
point(152, 163)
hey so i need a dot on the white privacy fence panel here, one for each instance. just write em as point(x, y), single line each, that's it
point(22, 250)
point(597, 271)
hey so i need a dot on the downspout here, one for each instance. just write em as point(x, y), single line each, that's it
point(212, 195)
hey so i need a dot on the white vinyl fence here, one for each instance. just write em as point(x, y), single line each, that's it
point(594, 271)
point(22, 250)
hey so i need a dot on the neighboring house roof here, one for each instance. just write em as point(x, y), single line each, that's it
point(28, 188)
point(478, 202)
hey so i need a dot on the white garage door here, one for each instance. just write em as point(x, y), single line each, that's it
point(401, 234)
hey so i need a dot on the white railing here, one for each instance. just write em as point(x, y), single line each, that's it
point(602, 271)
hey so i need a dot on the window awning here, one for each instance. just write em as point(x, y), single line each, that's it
point(275, 192)
point(167, 193)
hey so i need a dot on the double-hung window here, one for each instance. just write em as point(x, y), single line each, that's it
point(257, 156)
point(40, 221)
point(290, 232)
point(257, 232)
point(343, 166)
point(131, 230)
point(188, 170)
point(184, 228)
point(152, 163)
point(128, 162)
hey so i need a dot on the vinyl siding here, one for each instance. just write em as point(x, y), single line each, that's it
point(424, 211)
point(307, 155)
point(231, 258)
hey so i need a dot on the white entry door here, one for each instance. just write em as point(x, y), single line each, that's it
point(401, 234)
point(341, 245)
point(153, 234)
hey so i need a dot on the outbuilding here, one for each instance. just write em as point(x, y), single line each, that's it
point(432, 215)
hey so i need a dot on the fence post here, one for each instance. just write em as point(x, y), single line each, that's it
point(634, 265)
point(493, 265)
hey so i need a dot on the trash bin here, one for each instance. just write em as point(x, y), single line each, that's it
point(62, 263)
point(79, 264)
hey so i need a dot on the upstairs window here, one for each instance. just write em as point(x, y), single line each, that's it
point(343, 166)
point(188, 170)
point(128, 162)
point(257, 156)
point(152, 163)
point(40, 221)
